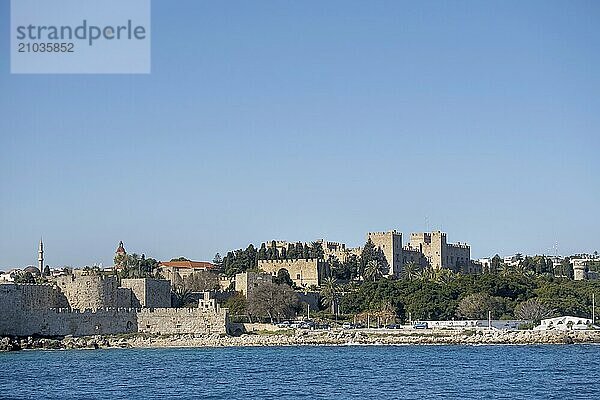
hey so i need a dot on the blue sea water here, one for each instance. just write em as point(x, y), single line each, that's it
point(347, 372)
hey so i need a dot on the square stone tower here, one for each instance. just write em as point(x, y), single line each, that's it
point(391, 245)
point(439, 253)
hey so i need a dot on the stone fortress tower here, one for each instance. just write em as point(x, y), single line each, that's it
point(439, 253)
point(580, 272)
point(391, 245)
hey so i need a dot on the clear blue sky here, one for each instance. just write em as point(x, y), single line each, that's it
point(300, 120)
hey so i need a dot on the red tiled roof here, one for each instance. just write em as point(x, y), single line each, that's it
point(188, 264)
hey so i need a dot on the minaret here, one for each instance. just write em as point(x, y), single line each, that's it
point(41, 257)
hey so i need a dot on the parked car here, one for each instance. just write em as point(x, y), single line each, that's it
point(284, 324)
point(393, 326)
point(307, 325)
point(348, 325)
point(420, 325)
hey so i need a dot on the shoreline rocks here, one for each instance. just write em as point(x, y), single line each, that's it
point(305, 338)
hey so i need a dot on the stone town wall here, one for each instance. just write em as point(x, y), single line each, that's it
point(33, 296)
point(458, 256)
point(158, 293)
point(124, 298)
point(10, 306)
point(247, 282)
point(22, 314)
point(304, 272)
point(182, 320)
point(151, 293)
point(62, 322)
point(89, 291)
point(412, 256)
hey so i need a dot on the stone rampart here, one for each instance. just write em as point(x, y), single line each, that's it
point(151, 293)
point(89, 291)
point(182, 320)
point(304, 272)
point(23, 313)
point(63, 322)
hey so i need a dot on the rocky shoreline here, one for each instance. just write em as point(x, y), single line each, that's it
point(306, 338)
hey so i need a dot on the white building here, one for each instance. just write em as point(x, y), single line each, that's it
point(566, 323)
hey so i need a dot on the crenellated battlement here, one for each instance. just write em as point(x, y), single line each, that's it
point(30, 284)
point(383, 233)
point(289, 260)
point(459, 245)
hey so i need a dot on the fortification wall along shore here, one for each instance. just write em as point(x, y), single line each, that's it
point(64, 322)
point(37, 310)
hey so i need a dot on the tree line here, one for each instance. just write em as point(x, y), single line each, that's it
point(451, 295)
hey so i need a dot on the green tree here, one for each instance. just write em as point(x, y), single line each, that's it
point(24, 277)
point(352, 265)
point(291, 252)
point(201, 281)
point(299, 250)
point(533, 310)
point(273, 301)
point(567, 268)
point(283, 277)
point(236, 304)
point(218, 261)
point(316, 250)
point(477, 305)
point(182, 297)
point(305, 252)
point(367, 254)
point(329, 294)
point(120, 260)
point(180, 259)
point(262, 252)
point(410, 271)
point(373, 270)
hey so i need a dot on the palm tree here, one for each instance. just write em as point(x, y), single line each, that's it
point(181, 296)
point(444, 276)
point(329, 294)
point(505, 270)
point(520, 269)
point(427, 274)
point(410, 271)
point(372, 271)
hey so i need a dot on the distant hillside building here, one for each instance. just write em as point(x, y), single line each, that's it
point(338, 250)
point(427, 249)
point(176, 271)
point(581, 268)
